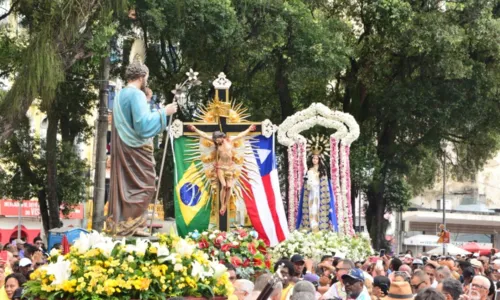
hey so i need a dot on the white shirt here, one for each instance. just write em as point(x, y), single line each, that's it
point(434, 284)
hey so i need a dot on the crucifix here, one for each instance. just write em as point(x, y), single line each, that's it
point(219, 116)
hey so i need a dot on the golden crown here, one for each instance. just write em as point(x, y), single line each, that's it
point(318, 145)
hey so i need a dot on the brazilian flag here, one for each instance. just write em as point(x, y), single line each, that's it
point(192, 200)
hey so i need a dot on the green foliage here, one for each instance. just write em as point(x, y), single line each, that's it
point(72, 178)
point(59, 34)
point(412, 74)
point(24, 174)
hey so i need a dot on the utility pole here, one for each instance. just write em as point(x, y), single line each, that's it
point(444, 197)
point(100, 153)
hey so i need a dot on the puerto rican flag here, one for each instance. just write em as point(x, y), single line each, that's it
point(262, 193)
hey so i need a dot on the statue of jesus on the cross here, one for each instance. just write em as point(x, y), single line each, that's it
point(224, 165)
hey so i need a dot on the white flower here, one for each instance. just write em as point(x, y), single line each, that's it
point(212, 236)
point(130, 258)
point(184, 248)
point(61, 270)
point(162, 253)
point(178, 267)
point(235, 243)
point(216, 252)
point(54, 252)
point(178, 91)
point(228, 253)
point(200, 271)
point(87, 240)
point(82, 243)
point(219, 269)
point(139, 248)
point(192, 75)
point(106, 247)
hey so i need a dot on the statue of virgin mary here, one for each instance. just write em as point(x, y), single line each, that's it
point(316, 209)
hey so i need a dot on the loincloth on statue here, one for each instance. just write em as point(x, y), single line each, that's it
point(229, 171)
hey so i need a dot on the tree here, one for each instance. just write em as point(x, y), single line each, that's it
point(61, 33)
point(271, 50)
point(418, 76)
point(25, 175)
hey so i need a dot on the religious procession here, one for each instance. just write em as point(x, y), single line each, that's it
point(249, 150)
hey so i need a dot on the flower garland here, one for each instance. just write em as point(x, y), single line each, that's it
point(335, 179)
point(302, 165)
point(343, 191)
point(315, 245)
point(291, 187)
point(347, 150)
point(347, 131)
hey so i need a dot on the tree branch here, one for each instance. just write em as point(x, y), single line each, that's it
point(5, 15)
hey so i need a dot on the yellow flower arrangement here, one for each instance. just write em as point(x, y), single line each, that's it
point(98, 267)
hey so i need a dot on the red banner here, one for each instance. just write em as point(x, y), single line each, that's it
point(31, 208)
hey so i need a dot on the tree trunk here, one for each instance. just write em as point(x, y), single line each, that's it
point(375, 221)
point(283, 89)
point(102, 131)
point(376, 201)
point(53, 203)
point(44, 211)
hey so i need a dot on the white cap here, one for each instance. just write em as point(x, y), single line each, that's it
point(408, 256)
point(476, 263)
point(24, 262)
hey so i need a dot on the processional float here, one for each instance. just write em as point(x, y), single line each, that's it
point(346, 131)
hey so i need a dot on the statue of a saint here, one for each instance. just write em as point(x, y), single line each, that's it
point(132, 182)
point(316, 209)
point(224, 164)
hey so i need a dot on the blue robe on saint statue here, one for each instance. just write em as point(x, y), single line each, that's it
point(132, 180)
point(316, 211)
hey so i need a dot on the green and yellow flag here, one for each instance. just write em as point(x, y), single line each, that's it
point(191, 196)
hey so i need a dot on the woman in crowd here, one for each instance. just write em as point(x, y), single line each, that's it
point(13, 282)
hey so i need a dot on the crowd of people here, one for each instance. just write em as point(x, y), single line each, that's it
point(334, 277)
point(380, 277)
point(17, 260)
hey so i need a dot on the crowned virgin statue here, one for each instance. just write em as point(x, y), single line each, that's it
point(316, 209)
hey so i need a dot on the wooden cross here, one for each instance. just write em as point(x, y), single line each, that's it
point(222, 86)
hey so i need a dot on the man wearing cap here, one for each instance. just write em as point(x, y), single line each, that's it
point(477, 265)
point(354, 283)
point(338, 290)
point(408, 259)
point(399, 291)
point(20, 247)
point(25, 266)
point(417, 264)
point(381, 285)
point(298, 264)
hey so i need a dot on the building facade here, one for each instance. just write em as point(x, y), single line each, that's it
point(472, 211)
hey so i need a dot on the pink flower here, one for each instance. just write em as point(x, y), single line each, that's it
point(236, 261)
point(252, 249)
